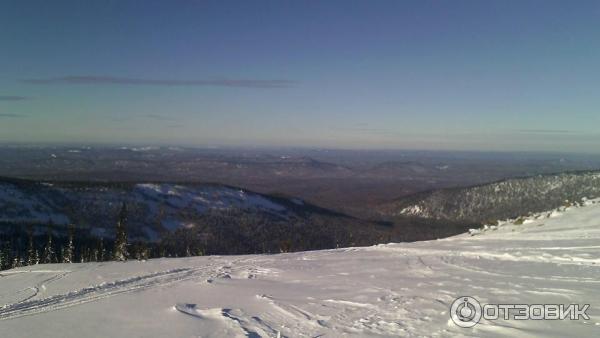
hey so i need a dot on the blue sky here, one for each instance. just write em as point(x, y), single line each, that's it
point(467, 75)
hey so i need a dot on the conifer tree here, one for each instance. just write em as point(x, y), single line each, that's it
point(69, 251)
point(94, 255)
point(101, 251)
point(49, 255)
point(82, 256)
point(62, 254)
point(120, 252)
point(31, 259)
point(2, 258)
point(6, 256)
point(17, 262)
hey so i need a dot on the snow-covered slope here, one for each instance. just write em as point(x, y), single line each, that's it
point(386, 290)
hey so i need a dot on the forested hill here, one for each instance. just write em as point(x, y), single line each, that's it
point(499, 200)
point(153, 209)
point(39, 220)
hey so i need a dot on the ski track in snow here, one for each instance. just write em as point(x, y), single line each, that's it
point(42, 285)
point(56, 275)
point(94, 293)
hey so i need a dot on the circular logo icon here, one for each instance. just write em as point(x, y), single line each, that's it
point(465, 311)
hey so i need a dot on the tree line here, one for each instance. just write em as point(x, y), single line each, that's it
point(215, 232)
point(18, 249)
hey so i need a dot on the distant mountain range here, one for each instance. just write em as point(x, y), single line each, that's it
point(498, 200)
point(354, 182)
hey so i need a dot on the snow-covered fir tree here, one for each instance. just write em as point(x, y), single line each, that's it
point(5, 254)
point(101, 251)
point(49, 255)
point(17, 262)
point(120, 252)
point(31, 252)
point(70, 249)
point(82, 256)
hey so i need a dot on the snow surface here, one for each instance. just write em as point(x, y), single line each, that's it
point(386, 290)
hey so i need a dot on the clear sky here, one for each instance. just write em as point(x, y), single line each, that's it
point(469, 75)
